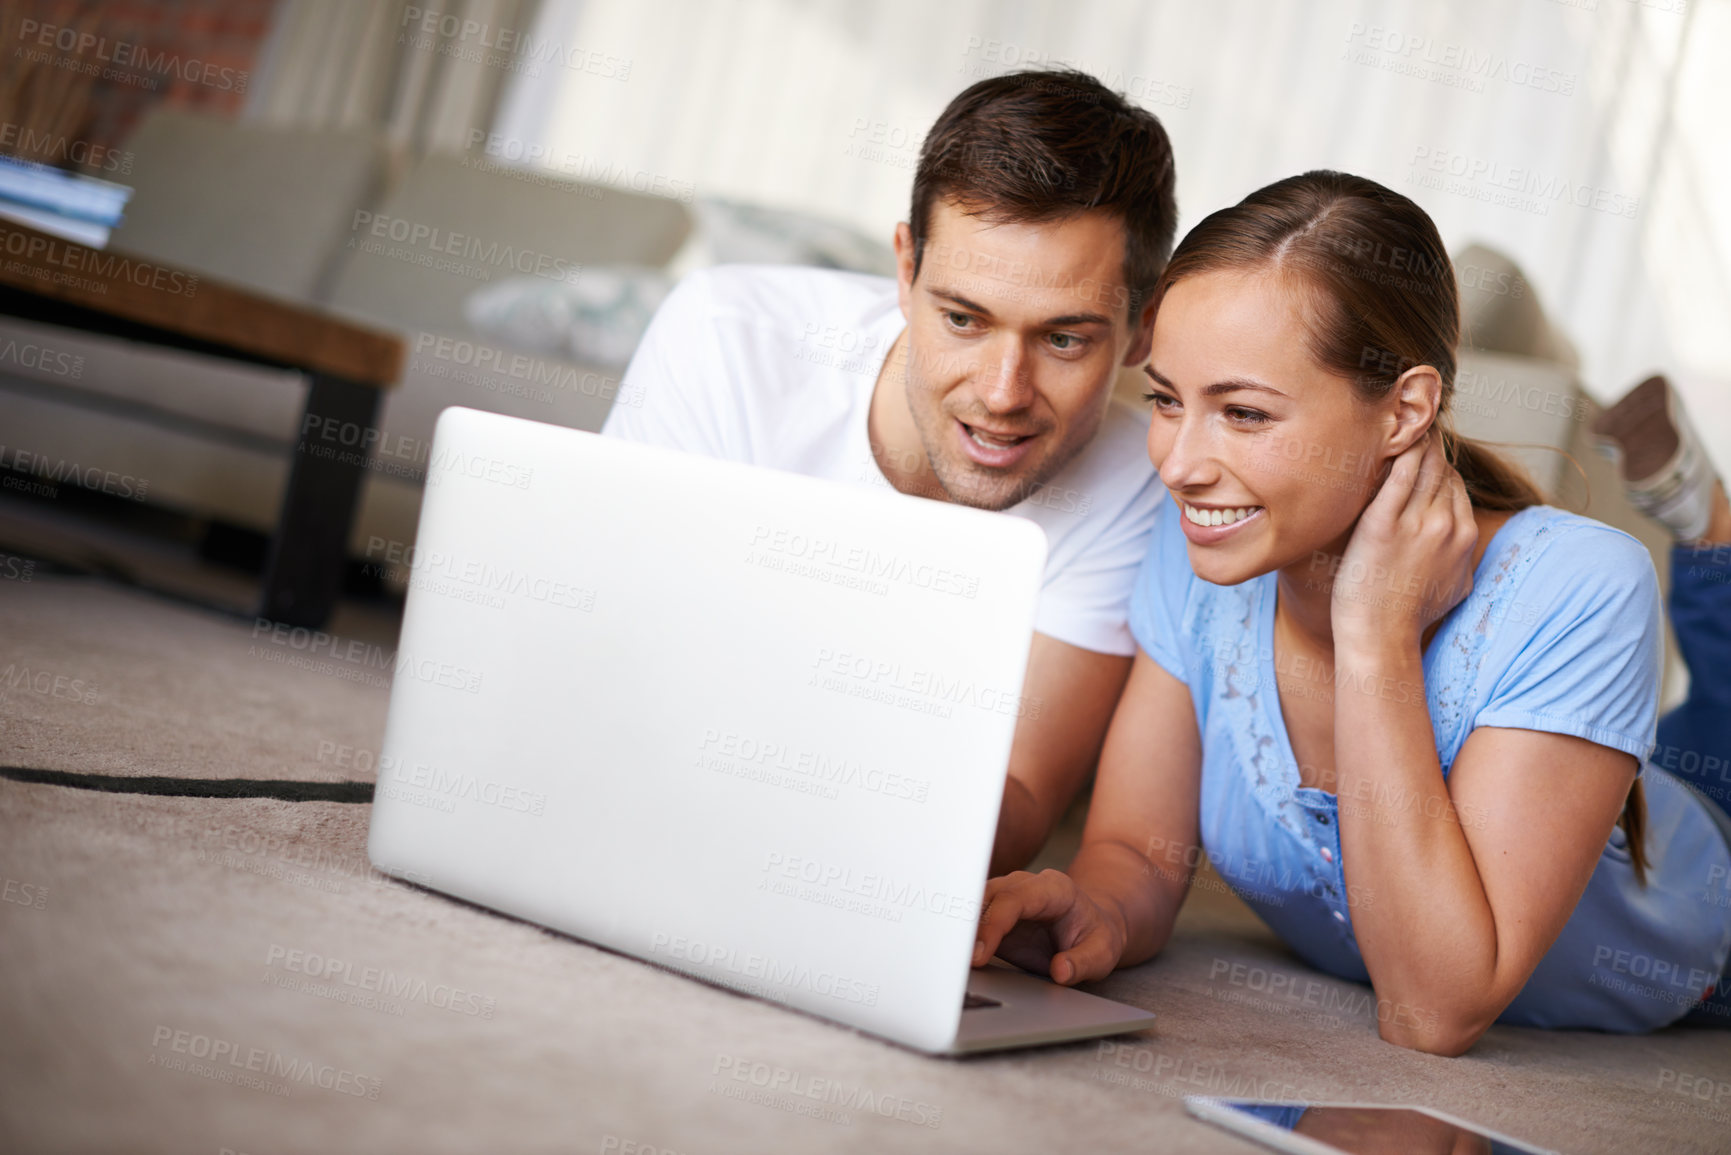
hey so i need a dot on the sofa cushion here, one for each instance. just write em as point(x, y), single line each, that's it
point(69, 443)
point(1500, 309)
point(259, 206)
point(1526, 408)
point(227, 399)
point(454, 225)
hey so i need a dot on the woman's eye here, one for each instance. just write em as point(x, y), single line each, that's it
point(1242, 416)
point(1162, 401)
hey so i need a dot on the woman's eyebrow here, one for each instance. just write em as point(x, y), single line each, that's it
point(1233, 384)
point(1230, 385)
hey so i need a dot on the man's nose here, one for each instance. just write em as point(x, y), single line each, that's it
point(1005, 384)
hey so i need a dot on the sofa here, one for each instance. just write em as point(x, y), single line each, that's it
point(315, 217)
point(338, 220)
point(1518, 387)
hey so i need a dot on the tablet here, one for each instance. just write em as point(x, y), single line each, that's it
point(1354, 1128)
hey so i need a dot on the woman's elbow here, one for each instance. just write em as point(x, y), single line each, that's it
point(1448, 1035)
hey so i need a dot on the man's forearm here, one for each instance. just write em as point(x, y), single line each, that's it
point(1057, 745)
point(1023, 826)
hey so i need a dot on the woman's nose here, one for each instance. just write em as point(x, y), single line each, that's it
point(1181, 453)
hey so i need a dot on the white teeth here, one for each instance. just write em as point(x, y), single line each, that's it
point(1213, 517)
point(992, 442)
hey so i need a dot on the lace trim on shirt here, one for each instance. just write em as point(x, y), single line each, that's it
point(1228, 621)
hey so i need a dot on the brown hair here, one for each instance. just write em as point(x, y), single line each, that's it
point(1042, 145)
point(1378, 298)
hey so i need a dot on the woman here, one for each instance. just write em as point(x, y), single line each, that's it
point(1401, 702)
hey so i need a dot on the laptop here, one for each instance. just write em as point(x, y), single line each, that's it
point(739, 723)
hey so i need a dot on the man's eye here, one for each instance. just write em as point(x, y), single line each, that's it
point(1065, 342)
point(959, 320)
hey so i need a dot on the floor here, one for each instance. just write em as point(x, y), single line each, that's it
point(191, 973)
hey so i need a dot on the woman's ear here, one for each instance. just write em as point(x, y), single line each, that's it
point(1417, 396)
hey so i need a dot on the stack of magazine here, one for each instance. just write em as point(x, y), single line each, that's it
point(68, 204)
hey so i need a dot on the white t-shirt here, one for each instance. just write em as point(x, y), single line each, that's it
point(775, 366)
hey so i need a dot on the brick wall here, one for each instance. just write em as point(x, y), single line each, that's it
point(76, 76)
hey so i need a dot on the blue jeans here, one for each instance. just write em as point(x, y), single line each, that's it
point(1695, 738)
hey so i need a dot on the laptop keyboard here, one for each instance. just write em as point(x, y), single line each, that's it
point(973, 1002)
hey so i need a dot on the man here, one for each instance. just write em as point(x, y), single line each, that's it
point(1043, 212)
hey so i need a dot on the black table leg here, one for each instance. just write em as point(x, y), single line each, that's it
point(304, 572)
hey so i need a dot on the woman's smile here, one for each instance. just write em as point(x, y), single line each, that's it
point(1210, 524)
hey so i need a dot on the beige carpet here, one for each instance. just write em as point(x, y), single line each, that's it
point(161, 962)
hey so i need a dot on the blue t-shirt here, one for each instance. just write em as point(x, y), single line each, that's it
point(1561, 633)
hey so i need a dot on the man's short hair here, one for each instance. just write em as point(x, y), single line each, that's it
point(1045, 144)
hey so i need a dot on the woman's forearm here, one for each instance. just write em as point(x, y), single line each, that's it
point(1421, 917)
point(1140, 896)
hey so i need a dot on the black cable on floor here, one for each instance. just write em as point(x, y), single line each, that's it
point(287, 790)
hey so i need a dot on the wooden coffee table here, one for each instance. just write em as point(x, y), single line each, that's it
point(57, 282)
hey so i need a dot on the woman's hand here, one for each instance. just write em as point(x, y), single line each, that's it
point(1410, 558)
point(1046, 924)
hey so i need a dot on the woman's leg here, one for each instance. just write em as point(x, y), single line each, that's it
point(1695, 738)
point(1714, 1009)
point(1668, 476)
point(1699, 731)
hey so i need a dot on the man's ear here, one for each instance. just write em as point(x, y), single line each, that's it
point(1141, 337)
point(1417, 397)
point(904, 268)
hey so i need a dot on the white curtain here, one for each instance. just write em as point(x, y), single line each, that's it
point(425, 74)
point(1526, 106)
